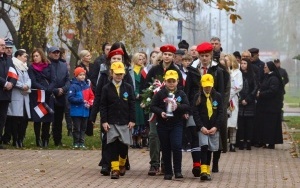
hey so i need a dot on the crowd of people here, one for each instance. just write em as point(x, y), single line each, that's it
point(201, 99)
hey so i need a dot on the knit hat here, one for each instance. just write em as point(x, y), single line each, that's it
point(78, 70)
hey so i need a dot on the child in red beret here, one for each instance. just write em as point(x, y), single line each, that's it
point(81, 98)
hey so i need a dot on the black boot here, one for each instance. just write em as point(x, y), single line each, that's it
point(20, 143)
point(38, 143)
point(216, 157)
point(45, 143)
point(242, 145)
point(231, 148)
point(248, 145)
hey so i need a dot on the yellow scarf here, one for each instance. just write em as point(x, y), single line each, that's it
point(208, 105)
point(137, 69)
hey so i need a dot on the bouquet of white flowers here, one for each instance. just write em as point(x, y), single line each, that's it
point(150, 92)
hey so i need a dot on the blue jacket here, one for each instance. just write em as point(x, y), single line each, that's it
point(79, 94)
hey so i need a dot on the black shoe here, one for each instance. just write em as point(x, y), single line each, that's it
point(271, 146)
point(16, 144)
point(45, 143)
point(20, 143)
point(248, 145)
point(168, 177)
point(215, 168)
point(208, 177)
point(105, 171)
point(38, 143)
point(127, 164)
point(231, 148)
point(178, 175)
point(153, 171)
point(196, 171)
point(162, 169)
point(242, 145)
point(203, 176)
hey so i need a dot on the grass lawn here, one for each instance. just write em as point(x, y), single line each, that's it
point(293, 123)
point(292, 97)
point(91, 142)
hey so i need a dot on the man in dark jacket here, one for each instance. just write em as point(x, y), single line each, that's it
point(258, 63)
point(95, 72)
point(62, 83)
point(8, 78)
point(282, 72)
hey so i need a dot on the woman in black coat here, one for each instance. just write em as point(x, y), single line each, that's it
point(41, 79)
point(269, 105)
point(246, 105)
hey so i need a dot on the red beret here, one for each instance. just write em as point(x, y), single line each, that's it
point(204, 47)
point(168, 48)
point(118, 51)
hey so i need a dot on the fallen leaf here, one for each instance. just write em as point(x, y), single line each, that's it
point(284, 178)
point(43, 171)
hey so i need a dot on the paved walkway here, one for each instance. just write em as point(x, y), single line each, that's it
point(74, 168)
point(68, 168)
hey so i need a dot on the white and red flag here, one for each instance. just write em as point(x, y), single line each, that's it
point(144, 72)
point(12, 73)
point(40, 95)
point(184, 75)
point(41, 110)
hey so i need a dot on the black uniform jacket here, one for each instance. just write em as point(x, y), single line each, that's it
point(200, 112)
point(158, 106)
point(116, 109)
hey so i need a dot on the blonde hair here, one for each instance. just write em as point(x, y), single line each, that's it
point(233, 62)
point(83, 53)
point(135, 58)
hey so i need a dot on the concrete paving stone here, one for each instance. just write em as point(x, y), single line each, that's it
point(72, 168)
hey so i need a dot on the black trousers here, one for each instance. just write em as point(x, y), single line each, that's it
point(117, 149)
point(105, 153)
point(205, 155)
point(193, 133)
point(19, 126)
point(57, 124)
point(79, 128)
point(45, 127)
point(3, 115)
point(245, 130)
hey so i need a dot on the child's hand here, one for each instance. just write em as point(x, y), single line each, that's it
point(174, 106)
point(164, 115)
point(204, 130)
point(212, 130)
point(131, 125)
point(105, 126)
point(186, 116)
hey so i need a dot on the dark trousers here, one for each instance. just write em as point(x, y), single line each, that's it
point(171, 143)
point(19, 126)
point(45, 127)
point(105, 152)
point(68, 118)
point(192, 131)
point(89, 127)
point(57, 124)
point(3, 115)
point(205, 155)
point(117, 149)
point(79, 128)
point(245, 130)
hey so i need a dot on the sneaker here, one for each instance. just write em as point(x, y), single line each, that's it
point(82, 146)
point(153, 171)
point(76, 146)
